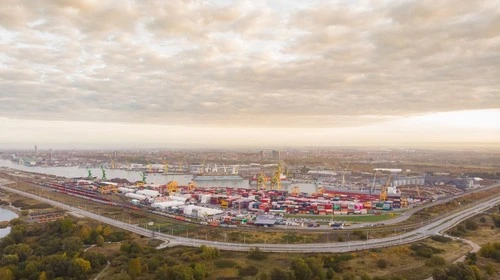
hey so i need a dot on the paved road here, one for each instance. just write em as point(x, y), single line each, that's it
point(169, 240)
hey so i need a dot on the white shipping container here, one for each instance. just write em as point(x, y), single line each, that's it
point(136, 196)
point(149, 193)
point(125, 190)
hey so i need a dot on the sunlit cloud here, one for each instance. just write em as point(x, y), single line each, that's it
point(328, 65)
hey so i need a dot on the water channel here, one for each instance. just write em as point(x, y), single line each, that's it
point(132, 176)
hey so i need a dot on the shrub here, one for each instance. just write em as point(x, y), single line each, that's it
point(209, 253)
point(248, 271)
point(360, 234)
point(470, 225)
point(256, 254)
point(440, 238)
point(424, 252)
point(225, 264)
point(436, 261)
point(491, 251)
point(381, 263)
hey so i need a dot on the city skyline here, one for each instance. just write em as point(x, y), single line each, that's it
point(249, 73)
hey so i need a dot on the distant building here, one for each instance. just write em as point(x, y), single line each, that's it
point(275, 155)
point(265, 220)
point(261, 155)
point(408, 180)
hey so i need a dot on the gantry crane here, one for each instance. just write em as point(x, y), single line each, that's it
point(165, 167)
point(172, 187)
point(276, 179)
point(103, 174)
point(345, 171)
point(373, 183)
point(261, 182)
point(191, 186)
point(112, 160)
point(383, 191)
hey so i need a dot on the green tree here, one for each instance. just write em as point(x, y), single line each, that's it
point(209, 253)
point(134, 267)
point(279, 274)
point(66, 226)
point(491, 251)
point(316, 267)
point(56, 265)
point(84, 233)
point(31, 270)
point(330, 273)
point(42, 276)
point(17, 233)
point(301, 269)
point(72, 245)
point(79, 268)
point(9, 260)
point(6, 274)
point(131, 248)
point(106, 231)
point(23, 251)
point(100, 241)
point(96, 259)
point(263, 276)
point(455, 271)
point(199, 272)
point(180, 272)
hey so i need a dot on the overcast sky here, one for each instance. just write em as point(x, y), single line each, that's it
point(266, 73)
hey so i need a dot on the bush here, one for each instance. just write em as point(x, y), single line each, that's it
point(436, 261)
point(225, 264)
point(360, 234)
point(209, 253)
point(256, 254)
point(440, 238)
point(470, 225)
point(248, 271)
point(424, 252)
point(381, 263)
point(491, 251)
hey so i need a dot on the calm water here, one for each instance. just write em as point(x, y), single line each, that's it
point(6, 215)
point(132, 176)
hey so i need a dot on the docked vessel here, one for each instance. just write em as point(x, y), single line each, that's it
point(217, 178)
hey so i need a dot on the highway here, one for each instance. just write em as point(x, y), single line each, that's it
point(170, 240)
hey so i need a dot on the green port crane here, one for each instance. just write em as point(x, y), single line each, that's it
point(103, 173)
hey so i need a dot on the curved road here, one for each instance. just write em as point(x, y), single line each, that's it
point(418, 234)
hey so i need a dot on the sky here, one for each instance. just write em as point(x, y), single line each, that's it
point(97, 73)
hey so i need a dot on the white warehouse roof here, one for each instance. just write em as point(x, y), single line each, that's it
point(202, 211)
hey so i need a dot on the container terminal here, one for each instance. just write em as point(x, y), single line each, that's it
point(231, 207)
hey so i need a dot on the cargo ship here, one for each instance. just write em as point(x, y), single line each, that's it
point(217, 178)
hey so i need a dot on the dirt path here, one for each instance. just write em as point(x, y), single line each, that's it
point(102, 271)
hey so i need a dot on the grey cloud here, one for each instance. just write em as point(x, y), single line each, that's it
point(189, 62)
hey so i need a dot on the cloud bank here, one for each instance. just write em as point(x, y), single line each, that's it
point(247, 63)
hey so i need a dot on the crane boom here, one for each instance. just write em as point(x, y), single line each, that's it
point(383, 191)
